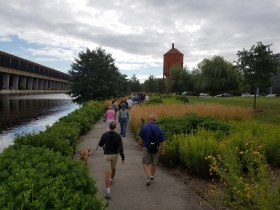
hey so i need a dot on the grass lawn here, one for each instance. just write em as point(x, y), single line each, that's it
point(269, 107)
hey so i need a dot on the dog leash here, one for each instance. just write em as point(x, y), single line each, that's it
point(94, 151)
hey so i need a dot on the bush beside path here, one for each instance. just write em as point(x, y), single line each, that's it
point(129, 190)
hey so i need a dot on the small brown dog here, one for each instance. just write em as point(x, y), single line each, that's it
point(84, 155)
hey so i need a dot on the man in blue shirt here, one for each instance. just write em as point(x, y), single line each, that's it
point(150, 158)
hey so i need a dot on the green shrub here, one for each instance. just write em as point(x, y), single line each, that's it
point(193, 149)
point(38, 178)
point(246, 175)
point(166, 96)
point(85, 116)
point(154, 101)
point(65, 132)
point(189, 123)
point(262, 134)
point(171, 156)
point(43, 139)
point(78, 116)
point(182, 98)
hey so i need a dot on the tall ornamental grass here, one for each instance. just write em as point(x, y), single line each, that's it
point(219, 112)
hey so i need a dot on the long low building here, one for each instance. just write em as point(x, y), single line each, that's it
point(18, 75)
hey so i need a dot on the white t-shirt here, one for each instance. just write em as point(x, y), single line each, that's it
point(147, 98)
point(129, 102)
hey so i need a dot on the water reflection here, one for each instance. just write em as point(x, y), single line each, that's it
point(27, 113)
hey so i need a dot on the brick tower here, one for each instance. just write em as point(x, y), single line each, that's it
point(172, 57)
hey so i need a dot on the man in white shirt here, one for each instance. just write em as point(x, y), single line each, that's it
point(147, 97)
point(129, 103)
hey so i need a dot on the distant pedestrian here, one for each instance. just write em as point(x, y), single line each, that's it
point(113, 145)
point(123, 119)
point(129, 103)
point(120, 104)
point(114, 107)
point(139, 98)
point(110, 116)
point(117, 106)
point(150, 158)
point(147, 97)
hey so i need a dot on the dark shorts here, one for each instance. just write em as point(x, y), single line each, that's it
point(149, 158)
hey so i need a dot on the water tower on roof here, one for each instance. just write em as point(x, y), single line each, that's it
point(171, 58)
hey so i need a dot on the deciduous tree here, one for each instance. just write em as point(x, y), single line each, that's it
point(152, 85)
point(134, 84)
point(94, 76)
point(218, 74)
point(257, 66)
point(178, 80)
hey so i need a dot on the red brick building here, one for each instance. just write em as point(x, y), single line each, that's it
point(172, 57)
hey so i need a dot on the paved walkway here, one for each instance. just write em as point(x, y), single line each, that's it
point(129, 190)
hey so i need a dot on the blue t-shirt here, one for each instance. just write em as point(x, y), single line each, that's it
point(146, 132)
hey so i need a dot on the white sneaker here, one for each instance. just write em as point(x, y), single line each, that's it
point(112, 181)
point(107, 195)
point(150, 179)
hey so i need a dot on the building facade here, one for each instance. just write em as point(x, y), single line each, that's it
point(18, 75)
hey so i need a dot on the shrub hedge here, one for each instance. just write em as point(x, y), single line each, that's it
point(154, 101)
point(38, 172)
point(39, 178)
point(182, 98)
point(190, 123)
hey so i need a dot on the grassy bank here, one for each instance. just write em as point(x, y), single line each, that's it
point(267, 109)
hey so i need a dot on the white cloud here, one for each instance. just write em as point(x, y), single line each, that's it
point(5, 39)
point(138, 33)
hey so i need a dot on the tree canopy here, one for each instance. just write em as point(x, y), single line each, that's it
point(94, 76)
point(178, 80)
point(218, 74)
point(153, 85)
point(134, 84)
point(257, 66)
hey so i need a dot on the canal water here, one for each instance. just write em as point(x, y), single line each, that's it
point(28, 113)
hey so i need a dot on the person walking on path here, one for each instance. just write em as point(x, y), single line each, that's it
point(113, 145)
point(114, 107)
point(110, 116)
point(123, 119)
point(150, 158)
point(129, 103)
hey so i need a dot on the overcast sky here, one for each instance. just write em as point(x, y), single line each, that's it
point(137, 33)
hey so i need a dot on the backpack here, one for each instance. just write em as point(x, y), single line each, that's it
point(123, 113)
point(153, 142)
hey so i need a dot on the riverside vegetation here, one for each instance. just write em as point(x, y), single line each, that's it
point(222, 143)
point(38, 172)
point(219, 142)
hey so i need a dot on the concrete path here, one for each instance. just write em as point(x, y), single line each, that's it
point(129, 190)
